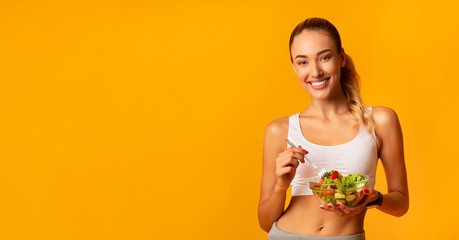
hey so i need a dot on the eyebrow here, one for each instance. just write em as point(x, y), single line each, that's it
point(304, 56)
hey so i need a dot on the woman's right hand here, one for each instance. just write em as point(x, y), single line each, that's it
point(286, 164)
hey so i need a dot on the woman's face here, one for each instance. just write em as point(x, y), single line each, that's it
point(317, 63)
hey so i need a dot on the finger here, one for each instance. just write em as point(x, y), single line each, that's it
point(282, 172)
point(332, 208)
point(370, 191)
point(370, 194)
point(356, 209)
point(343, 207)
point(293, 150)
point(286, 161)
point(304, 150)
point(299, 157)
point(286, 170)
point(293, 162)
point(367, 191)
point(324, 207)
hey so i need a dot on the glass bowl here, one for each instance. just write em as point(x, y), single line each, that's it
point(329, 193)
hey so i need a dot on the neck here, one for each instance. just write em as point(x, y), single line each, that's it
point(328, 108)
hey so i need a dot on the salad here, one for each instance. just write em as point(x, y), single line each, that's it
point(333, 187)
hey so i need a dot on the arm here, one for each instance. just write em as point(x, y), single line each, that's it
point(389, 134)
point(390, 145)
point(279, 167)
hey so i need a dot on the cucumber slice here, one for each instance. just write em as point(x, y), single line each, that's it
point(350, 198)
point(340, 196)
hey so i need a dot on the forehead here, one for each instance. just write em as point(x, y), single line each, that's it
point(310, 42)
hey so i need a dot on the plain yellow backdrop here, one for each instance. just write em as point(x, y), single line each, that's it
point(145, 120)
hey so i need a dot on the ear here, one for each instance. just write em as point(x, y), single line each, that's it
point(343, 57)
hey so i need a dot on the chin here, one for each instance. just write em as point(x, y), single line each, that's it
point(319, 95)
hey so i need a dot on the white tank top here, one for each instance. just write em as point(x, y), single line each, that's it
point(360, 155)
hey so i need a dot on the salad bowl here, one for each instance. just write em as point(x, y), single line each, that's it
point(335, 187)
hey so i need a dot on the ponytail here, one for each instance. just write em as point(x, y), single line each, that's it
point(350, 84)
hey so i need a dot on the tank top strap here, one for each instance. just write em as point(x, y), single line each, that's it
point(294, 129)
point(373, 133)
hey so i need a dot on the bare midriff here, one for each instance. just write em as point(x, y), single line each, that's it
point(303, 216)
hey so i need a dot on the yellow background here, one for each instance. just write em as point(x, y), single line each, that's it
point(145, 120)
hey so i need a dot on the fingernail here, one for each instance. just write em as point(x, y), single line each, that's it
point(338, 204)
point(305, 152)
point(322, 207)
point(365, 190)
point(329, 206)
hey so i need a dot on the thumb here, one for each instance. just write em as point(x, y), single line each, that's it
point(367, 191)
point(370, 192)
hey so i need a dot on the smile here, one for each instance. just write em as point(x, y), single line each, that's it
point(316, 84)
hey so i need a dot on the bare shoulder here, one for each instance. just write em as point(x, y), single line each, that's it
point(387, 126)
point(278, 127)
point(384, 117)
point(275, 134)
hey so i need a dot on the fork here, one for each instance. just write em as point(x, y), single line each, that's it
point(319, 171)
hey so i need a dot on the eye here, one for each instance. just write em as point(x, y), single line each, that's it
point(302, 63)
point(325, 58)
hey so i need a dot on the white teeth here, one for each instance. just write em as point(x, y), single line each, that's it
point(319, 83)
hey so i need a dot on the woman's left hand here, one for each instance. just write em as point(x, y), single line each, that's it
point(342, 210)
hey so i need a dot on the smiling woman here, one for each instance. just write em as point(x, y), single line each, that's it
point(339, 133)
point(305, 41)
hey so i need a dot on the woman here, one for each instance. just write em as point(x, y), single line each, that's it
point(339, 133)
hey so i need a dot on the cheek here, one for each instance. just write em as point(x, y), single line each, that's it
point(331, 68)
point(301, 73)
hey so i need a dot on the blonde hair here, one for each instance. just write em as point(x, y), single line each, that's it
point(350, 80)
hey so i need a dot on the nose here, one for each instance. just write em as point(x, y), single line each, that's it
point(316, 70)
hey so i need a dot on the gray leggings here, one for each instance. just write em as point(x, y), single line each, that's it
point(277, 234)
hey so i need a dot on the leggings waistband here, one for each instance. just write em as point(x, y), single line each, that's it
point(277, 234)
